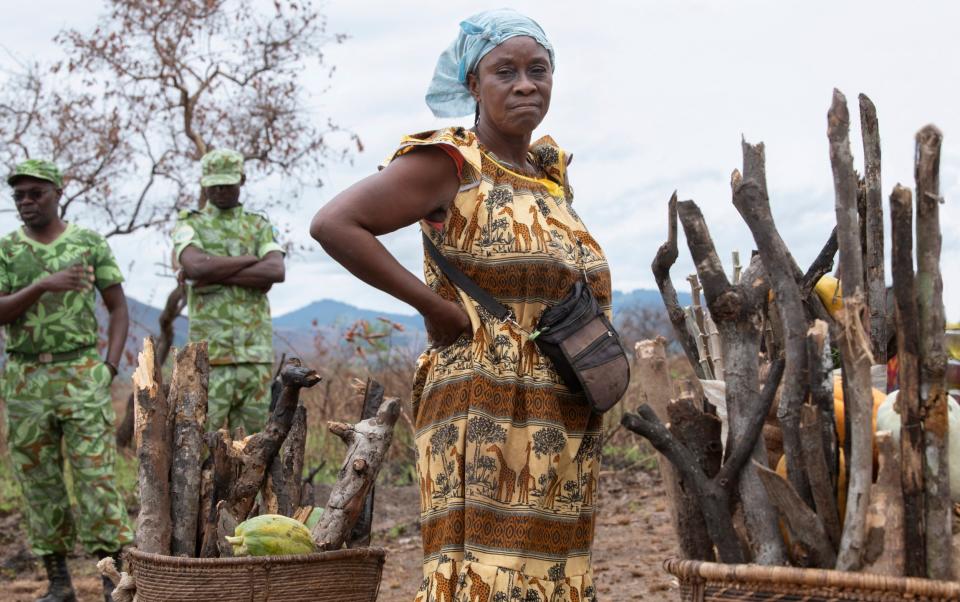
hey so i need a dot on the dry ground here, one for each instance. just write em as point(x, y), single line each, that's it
point(633, 538)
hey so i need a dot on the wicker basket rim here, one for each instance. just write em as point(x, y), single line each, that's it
point(712, 571)
point(332, 555)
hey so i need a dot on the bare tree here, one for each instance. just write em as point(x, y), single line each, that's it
point(133, 105)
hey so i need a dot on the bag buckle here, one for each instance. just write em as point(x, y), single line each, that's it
point(511, 319)
point(45, 358)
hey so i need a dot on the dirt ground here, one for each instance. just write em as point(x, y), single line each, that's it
point(632, 540)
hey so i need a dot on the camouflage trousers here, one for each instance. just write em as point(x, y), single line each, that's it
point(59, 413)
point(239, 395)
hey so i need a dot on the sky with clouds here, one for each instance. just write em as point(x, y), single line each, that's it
point(648, 96)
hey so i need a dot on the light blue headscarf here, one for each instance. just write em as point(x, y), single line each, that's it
point(448, 94)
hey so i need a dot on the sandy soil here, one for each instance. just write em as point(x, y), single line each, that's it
point(633, 538)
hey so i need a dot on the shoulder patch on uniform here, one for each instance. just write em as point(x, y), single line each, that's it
point(259, 214)
point(187, 213)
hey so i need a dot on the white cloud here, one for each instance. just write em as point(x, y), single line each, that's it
point(649, 96)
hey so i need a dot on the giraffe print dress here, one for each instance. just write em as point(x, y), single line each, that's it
point(507, 456)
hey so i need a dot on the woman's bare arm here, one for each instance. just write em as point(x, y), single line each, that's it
point(417, 185)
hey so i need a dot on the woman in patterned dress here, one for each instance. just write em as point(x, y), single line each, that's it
point(507, 456)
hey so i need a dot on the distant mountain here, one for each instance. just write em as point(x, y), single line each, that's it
point(644, 298)
point(327, 312)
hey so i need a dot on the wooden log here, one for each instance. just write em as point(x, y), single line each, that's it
point(703, 339)
point(188, 401)
point(750, 199)
point(125, 587)
point(700, 433)
point(715, 347)
point(259, 449)
point(174, 305)
point(933, 357)
point(884, 554)
point(206, 501)
point(152, 435)
point(657, 390)
point(665, 258)
point(809, 543)
point(226, 526)
point(854, 347)
point(736, 312)
point(908, 374)
point(286, 470)
point(226, 469)
point(873, 227)
point(714, 494)
point(367, 445)
point(822, 487)
point(713, 498)
point(360, 534)
point(820, 365)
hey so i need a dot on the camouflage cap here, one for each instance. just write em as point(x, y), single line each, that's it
point(221, 167)
point(40, 169)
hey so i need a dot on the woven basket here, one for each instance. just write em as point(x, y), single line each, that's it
point(708, 581)
point(337, 576)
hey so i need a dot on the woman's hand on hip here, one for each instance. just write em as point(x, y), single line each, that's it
point(445, 322)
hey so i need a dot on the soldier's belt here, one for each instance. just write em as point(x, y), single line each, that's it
point(51, 358)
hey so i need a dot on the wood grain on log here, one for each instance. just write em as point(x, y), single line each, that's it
point(153, 432)
point(810, 545)
point(750, 199)
point(657, 390)
point(933, 357)
point(367, 445)
point(188, 401)
point(908, 374)
point(260, 448)
point(854, 346)
point(873, 228)
point(884, 554)
point(665, 258)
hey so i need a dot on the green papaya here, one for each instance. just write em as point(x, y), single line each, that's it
point(271, 535)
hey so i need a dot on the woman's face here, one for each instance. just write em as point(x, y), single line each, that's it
point(513, 85)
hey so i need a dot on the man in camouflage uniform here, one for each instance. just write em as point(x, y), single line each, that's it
point(56, 385)
point(232, 259)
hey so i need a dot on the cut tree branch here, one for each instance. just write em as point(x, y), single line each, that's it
point(873, 228)
point(751, 201)
point(933, 357)
point(908, 374)
point(662, 262)
point(855, 349)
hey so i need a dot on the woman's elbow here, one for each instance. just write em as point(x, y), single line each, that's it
point(320, 226)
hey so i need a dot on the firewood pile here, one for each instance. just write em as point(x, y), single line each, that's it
point(196, 487)
point(844, 496)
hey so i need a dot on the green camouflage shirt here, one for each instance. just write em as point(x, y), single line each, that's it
point(234, 320)
point(57, 322)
